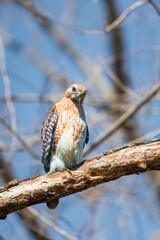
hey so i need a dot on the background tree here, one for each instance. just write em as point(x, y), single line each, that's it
point(111, 47)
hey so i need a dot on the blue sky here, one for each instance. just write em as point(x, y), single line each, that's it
point(114, 214)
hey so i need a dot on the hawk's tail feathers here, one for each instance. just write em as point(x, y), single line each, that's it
point(52, 204)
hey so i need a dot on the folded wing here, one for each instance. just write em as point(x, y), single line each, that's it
point(48, 136)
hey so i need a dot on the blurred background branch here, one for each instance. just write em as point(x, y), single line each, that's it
point(111, 47)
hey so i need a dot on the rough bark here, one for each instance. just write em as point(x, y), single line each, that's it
point(111, 165)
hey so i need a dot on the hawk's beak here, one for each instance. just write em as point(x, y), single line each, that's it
point(79, 94)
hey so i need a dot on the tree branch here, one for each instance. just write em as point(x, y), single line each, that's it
point(111, 165)
point(116, 23)
point(86, 65)
point(20, 139)
point(31, 222)
point(124, 117)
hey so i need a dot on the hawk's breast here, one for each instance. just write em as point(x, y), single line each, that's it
point(70, 137)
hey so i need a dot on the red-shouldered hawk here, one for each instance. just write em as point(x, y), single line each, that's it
point(64, 132)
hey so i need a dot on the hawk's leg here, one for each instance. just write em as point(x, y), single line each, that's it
point(67, 169)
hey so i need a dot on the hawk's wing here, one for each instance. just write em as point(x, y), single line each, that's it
point(87, 135)
point(48, 136)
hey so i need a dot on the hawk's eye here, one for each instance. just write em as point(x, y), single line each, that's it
point(73, 89)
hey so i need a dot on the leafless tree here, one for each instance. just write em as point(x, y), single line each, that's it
point(111, 47)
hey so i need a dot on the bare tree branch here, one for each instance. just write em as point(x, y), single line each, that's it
point(129, 113)
point(51, 224)
point(109, 166)
point(26, 216)
point(154, 7)
point(29, 215)
point(20, 139)
point(116, 23)
point(7, 87)
point(45, 65)
point(117, 80)
point(34, 97)
point(86, 65)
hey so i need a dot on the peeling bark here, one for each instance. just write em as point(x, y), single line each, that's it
point(111, 165)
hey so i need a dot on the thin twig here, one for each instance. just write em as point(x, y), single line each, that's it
point(20, 139)
point(129, 113)
point(145, 137)
point(121, 18)
point(92, 70)
point(7, 88)
point(124, 55)
point(154, 7)
point(46, 66)
point(50, 98)
point(52, 225)
point(118, 21)
point(30, 141)
point(116, 79)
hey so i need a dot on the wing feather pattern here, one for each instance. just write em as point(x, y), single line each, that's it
point(48, 136)
point(87, 135)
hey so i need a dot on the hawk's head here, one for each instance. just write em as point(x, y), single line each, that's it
point(76, 92)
